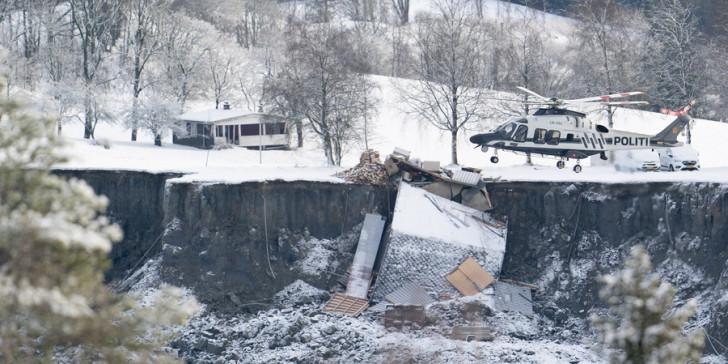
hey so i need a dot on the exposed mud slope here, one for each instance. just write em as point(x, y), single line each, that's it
point(562, 236)
point(136, 205)
point(237, 245)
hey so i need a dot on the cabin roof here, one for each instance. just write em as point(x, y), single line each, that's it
point(213, 115)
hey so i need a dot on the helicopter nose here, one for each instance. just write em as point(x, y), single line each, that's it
point(483, 139)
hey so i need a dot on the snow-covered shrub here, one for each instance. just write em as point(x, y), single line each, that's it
point(644, 327)
point(54, 242)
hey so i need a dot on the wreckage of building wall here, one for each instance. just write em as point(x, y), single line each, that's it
point(463, 185)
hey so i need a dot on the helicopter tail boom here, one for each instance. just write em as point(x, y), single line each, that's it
point(668, 136)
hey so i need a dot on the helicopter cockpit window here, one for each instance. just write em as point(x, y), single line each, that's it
point(520, 134)
point(539, 136)
point(552, 137)
point(506, 130)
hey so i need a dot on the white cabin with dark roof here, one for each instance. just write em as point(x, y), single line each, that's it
point(215, 127)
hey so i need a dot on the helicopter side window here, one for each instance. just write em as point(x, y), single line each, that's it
point(552, 137)
point(539, 136)
point(520, 134)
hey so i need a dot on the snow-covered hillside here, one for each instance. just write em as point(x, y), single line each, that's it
point(392, 128)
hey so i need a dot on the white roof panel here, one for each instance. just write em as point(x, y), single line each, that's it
point(213, 115)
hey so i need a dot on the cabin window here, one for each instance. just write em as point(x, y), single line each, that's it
point(602, 128)
point(249, 129)
point(552, 137)
point(520, 134)
point(275, 128)
point(569, 137)
point(539, 136)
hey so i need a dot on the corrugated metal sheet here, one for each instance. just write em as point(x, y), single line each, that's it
point(510, 297)
point(470, 178)
point(410, 294)
point(380, 307)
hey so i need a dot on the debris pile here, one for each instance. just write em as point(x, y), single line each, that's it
point(463, 185)
point(369, 170)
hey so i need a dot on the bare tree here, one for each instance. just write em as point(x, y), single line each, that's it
point(402, 8)
point(95, 22)
point(677, 65)
point(185, 56)
point(220, 63)
point(451, 71)
point(144, 42)
point(156, 114)
point(316, 84)
point(616, 36)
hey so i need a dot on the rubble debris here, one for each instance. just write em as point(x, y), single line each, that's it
point(432, 166)
point(463, 185)
point(472, 333)
point(443, 189)
point(427, 239)
point(369, 170)
point(517, 283)
point(409, 294)
point(469, 278)
point(354, 301)
point(401, 153)
point(466, 177)
point(513, 298)
point(399, 316)
point(346, 305)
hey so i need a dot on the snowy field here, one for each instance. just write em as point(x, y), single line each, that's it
point(392, 128)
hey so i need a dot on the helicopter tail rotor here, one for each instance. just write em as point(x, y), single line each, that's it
point(683, 111)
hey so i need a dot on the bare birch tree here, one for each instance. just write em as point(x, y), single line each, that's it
point(317, 84)
point(95, 23)
point(144, 42)
point(451, 71)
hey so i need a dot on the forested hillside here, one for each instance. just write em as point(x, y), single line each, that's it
point(140, 62)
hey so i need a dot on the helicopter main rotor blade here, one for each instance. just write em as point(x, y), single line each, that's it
point(604, 97)
point(610, 103)
point(532, 93)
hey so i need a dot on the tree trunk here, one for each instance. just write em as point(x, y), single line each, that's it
point(158, 139)
point(328, 149)
point(134, 112)
point(299, 133)
point(454, 145)
point(88, 132)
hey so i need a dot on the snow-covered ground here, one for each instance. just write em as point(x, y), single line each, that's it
point(298, 331)
point(392, 128)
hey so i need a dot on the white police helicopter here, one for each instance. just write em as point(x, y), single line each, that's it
point(566, 134)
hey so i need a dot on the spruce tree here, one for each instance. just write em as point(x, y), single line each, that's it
point(54, 242)
point(644, 327)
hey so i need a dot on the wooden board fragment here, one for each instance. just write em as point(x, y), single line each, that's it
point(346, 305)
point(469, 278)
